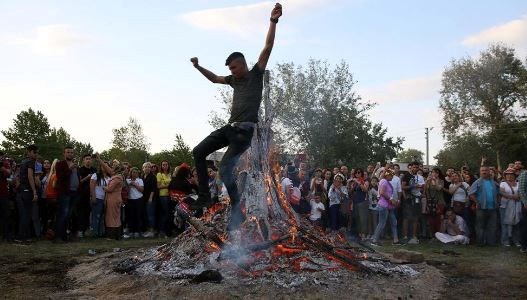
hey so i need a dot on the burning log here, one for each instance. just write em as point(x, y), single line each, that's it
point(232, 253)
point(206, 232)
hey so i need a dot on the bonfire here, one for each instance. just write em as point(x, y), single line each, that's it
point(274, 242)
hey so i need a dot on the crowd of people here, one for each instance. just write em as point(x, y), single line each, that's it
point(489, 208)
point(61, 200)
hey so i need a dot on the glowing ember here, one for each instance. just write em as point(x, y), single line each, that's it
point(286, 251)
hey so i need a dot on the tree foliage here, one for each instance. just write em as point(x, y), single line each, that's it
point(32, 127)
point(130, 137)
point(410, 155)
point(488, 97)
point(180, 153)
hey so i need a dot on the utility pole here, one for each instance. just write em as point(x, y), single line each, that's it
point(427, 137)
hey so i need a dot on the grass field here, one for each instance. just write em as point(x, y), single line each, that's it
point(38, 269)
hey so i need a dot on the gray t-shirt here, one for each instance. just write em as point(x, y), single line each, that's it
point(74, 180)
point(247, 96)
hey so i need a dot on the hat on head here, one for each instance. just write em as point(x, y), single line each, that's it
point(292, 170)
point(339, 175)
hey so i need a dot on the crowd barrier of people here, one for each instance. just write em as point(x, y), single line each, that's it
point(62, 201)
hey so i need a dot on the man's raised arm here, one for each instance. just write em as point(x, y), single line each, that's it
point(210, 76)
point(269, 41)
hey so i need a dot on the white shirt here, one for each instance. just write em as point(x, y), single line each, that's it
point(397, 188)
point(315, 213)
point(504, 186)
point(133, 193)
point(99, 192)
point(460, 195)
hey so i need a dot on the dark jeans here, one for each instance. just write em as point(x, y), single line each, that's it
point(486, 226)
point(238, 141)
point(24, 202)
point(334, 215)
point(523, 229)
point(4, 217)
point(134, 212)
point(97, 217)
point(151, 214)
point(81, 213)
point(164, 206)
point(65, 204)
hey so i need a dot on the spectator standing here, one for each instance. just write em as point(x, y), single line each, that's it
point(484, 192)
point(373, 199)
point(5, 173)
point(510, 209)
point(435, 203)
point(522, 191)
point(358, 189)
point(98, 181)
point(67, 191)
point(149, 190)
point(337, 194)
point(386, 207)
point(412, 185)
point(26, 193)
point(113, 202)
point(83, 207)
point(163, 180)
point(134, 205)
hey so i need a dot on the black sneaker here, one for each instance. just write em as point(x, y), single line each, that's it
point(376, 243)
point(202, 202)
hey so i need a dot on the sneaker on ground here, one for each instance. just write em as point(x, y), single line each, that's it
point(518, 245)
point(413, 241)
point(507, 244)
point(126, 236)
point(149, 234)
point(80, 234)
point(398, 243)
point(137, 235)
point(375, 243)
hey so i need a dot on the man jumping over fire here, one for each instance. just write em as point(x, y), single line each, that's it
point(237, 134)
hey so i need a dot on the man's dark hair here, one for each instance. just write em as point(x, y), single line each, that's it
point(396, 165)
point(68, 147)
point(86, 155)
point(233, 56)
point(32, 147)
point(413, 163)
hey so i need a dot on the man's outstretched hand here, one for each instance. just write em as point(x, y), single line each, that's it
point(194, 61)
point(277, 11)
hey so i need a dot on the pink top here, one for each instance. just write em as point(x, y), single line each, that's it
point(387, 188)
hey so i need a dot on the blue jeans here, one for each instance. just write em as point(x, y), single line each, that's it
point(486, 226)
point(151, 213)
point(164, 202)
point(97, 217)
point(384, 214)
point(66, 202)
point(238, 141)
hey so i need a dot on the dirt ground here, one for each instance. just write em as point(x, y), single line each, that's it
point(66, 271)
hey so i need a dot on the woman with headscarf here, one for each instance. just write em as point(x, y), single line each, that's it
point(113, 201)
point(510, 209)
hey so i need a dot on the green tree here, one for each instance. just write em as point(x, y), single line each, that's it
point(484, 94)
point(464, 150)
point(130, 136)
point(409, 155)
point(32, 127)
point(179, 153)
point(317, 111)
point(320, 113)
point(29, 127)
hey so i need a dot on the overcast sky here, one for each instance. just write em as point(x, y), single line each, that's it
point(90, 65)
